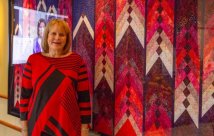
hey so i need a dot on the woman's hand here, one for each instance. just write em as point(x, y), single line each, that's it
point(84, 130)
point(24, 132)
point(24, 128)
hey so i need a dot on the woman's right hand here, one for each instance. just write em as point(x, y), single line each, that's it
point(24, 128)
point(24, 133)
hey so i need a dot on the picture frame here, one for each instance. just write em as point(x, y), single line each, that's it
point(12, 109)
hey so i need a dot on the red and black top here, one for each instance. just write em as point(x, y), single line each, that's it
point(55, 96)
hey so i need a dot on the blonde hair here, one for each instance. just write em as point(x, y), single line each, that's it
point(48, 27)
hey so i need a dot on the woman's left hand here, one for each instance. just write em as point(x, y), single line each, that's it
point(84, 130)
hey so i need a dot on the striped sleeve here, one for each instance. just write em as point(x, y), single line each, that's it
point(26, 91)
point(83, 94)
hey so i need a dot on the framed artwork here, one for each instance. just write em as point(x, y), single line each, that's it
point(27, 20)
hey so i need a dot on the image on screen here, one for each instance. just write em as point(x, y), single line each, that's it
point(29, 26)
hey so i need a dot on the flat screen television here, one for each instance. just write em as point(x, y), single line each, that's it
point(26, 31)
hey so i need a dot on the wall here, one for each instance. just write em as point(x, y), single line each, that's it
point(3, 48)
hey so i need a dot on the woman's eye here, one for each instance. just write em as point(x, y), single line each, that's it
point(61, 34)
point(53, 33)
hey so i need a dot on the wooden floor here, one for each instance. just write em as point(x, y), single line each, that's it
point(7, 121)
point(6, 131)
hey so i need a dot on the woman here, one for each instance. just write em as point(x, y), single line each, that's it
point(37, 41)
point(55, 88)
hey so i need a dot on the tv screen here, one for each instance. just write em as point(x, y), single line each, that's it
point(28, 29)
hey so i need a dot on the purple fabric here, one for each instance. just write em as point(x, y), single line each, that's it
point(36, 46)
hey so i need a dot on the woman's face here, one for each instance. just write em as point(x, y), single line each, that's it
point(56, 38)
point(41, 28)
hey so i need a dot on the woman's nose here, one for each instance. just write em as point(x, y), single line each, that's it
point(57, 36)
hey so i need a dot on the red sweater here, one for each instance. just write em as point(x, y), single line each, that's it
point(55, 95)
